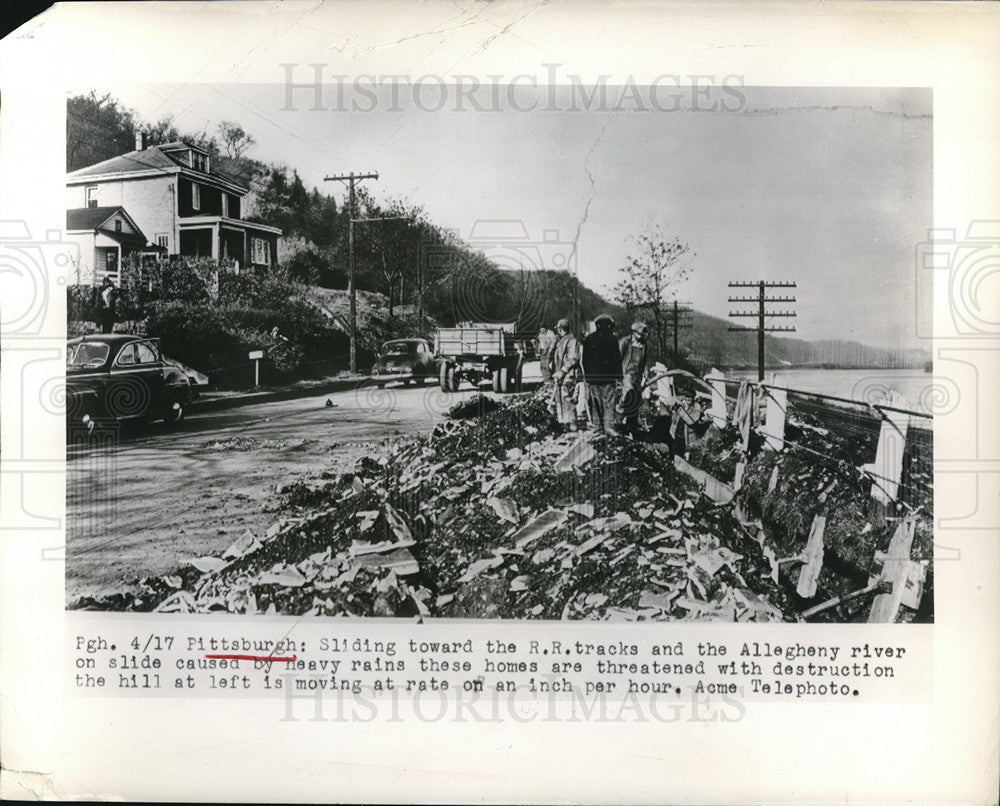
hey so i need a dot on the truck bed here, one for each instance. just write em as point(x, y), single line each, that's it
point(456, 341)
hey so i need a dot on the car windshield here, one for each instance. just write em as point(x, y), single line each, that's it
point(87, 354)
point(400, 348)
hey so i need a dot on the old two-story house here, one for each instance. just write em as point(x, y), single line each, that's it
point(164, 199)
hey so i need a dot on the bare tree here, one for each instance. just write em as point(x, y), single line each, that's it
point(234, 138)
point(651, 275)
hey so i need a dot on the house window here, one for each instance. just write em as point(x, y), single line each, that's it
point(118, 225)
point(199, 161)
point(260, 253)
point(195, 196)
point(92, 195)
point(162, 239)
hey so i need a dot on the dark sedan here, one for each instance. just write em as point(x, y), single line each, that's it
point(114, 377)
point(404, 360)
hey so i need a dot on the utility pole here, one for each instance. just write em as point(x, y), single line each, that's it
point(678, 316)
point(761, 314)
point(351, 179)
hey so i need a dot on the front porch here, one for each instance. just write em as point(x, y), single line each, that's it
point(111, 249)
point(222, 238)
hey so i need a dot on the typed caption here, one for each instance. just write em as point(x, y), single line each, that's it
point(145, 656)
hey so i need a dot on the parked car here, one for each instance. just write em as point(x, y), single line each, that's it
point(404, 360)
point(114, 377)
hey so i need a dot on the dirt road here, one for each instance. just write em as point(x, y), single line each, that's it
point(143, 502)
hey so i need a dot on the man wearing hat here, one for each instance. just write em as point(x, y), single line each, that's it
point(565, 374)
point(602, 371)
point(633, 352)
point(108, 298)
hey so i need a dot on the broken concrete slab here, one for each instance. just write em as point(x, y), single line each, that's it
point(538, 526)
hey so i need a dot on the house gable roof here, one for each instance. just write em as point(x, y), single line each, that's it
point(150, 162)
point(91, 219)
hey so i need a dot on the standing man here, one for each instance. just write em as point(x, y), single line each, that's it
point(108, 297)
point(633, 351)
point(565, 374)
point(546, 344)
point(602, 371)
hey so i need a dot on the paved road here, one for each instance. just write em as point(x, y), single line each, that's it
point(143, 502)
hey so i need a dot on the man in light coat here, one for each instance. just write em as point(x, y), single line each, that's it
point(565, 374)
point(633, 350)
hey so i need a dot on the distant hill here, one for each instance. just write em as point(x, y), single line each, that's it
point(710, 340)
point(543, 297)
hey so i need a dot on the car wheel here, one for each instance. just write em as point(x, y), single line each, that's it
point(445, 377)
point(496, 380)
point(175, 414)
point(504, 379)
point(380, 385)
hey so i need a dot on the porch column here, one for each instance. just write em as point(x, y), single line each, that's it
point(215, 241)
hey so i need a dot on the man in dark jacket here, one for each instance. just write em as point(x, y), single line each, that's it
point(108, 297)
point(602, 370)
point(633, 351)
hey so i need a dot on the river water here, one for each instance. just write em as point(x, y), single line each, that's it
point(865, 385)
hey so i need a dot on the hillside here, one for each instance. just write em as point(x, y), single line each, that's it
point(710, 339)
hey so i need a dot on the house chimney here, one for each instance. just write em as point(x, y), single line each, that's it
point(138, 140)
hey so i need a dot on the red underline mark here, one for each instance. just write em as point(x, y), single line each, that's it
point(272, 658)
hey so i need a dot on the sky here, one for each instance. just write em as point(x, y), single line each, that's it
point(829, 188)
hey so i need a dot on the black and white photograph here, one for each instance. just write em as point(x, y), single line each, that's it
point(500, 401)
point(543, 351)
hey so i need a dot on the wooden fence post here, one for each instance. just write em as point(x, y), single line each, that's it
point(774, 424)
point(897, 569)
point(888, 466)
point(812, 559)
point(743, 416)
point(717, 380)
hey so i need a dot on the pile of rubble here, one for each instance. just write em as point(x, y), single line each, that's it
point(492, 516)
point(821, 474)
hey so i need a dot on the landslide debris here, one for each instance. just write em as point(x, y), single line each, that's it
point(495, 515)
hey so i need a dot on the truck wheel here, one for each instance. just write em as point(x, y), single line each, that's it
point(447, 378)
point(496, 381)
point(504, 373)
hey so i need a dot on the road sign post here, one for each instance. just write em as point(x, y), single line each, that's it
point(256, 356)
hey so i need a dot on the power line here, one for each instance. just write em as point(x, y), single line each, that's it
point(351, 179)
point(678, 315)
point(762, 314)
